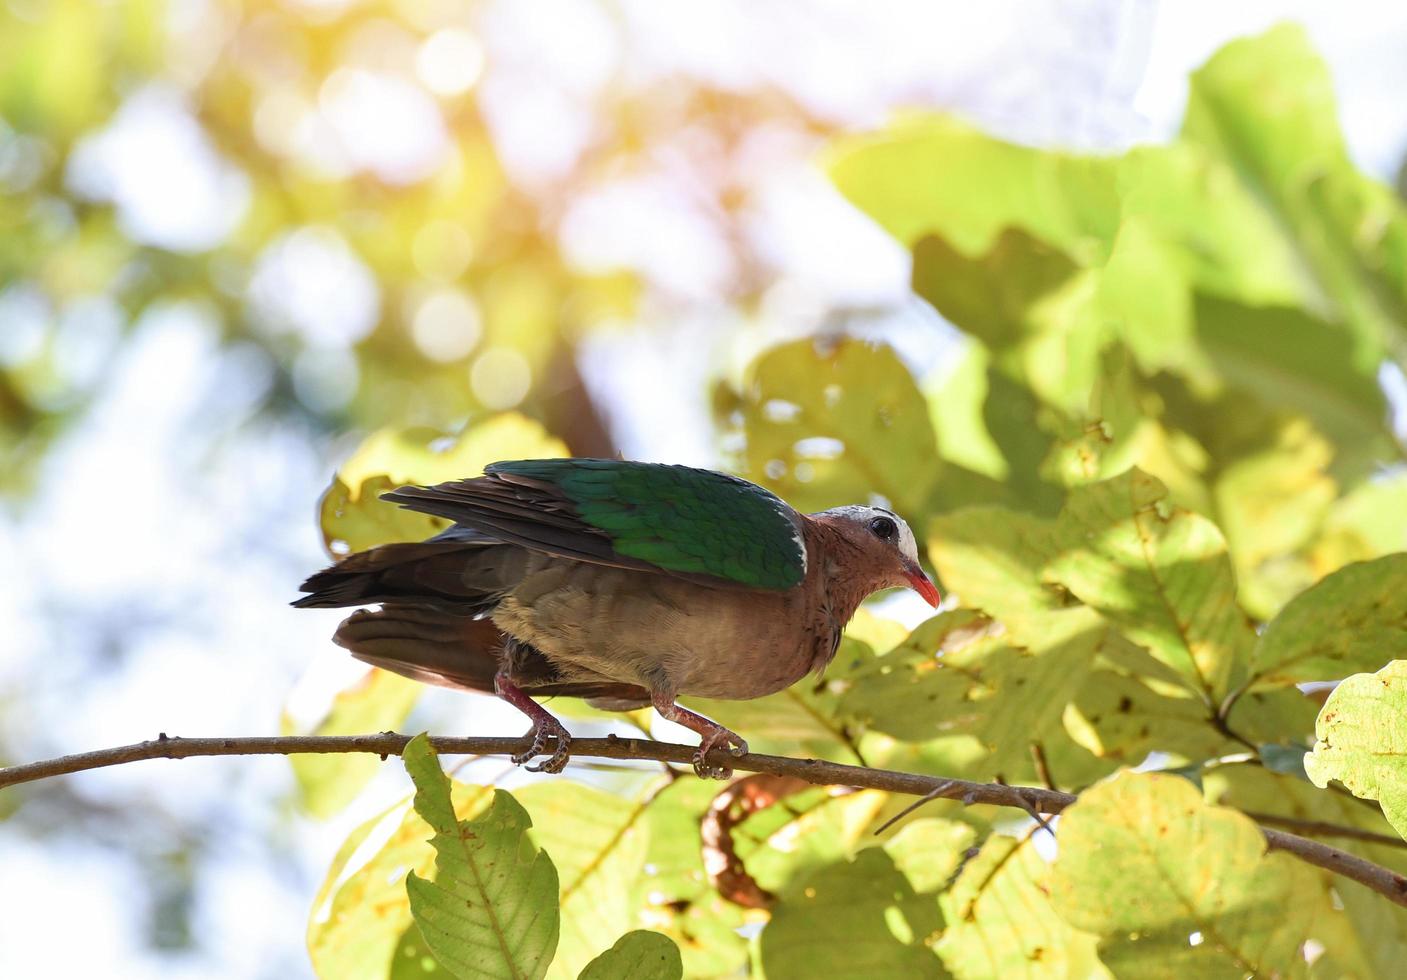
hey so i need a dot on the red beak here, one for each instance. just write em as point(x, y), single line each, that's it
point(920, 583)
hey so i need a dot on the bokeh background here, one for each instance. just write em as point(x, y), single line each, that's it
point(236, 237)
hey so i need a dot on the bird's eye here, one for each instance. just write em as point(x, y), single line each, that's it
point(884, 528)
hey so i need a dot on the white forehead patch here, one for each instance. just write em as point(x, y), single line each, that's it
point(908, 547)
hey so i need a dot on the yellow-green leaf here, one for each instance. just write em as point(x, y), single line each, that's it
point(957, 673)
point(353, 516)
point(1362, 740)
point(991, 559)
point(1176, 887)
point(360, 916)
point(1160, 573)
point(1362, 935)
point(678, 899)
point(781, 844)
point(1270, 503)
point(1267, 105)
point(937, 174)
point(834, 421)
point(1001, 922)
point(930, 850)
point(598, 842)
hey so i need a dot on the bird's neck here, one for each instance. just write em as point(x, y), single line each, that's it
point(833, 573)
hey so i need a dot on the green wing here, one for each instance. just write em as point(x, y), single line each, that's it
point(677, 518)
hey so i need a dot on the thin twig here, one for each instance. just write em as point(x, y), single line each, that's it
point(928, 797)
point(1042, 765)
point(1018, 795)
point(1381, 880)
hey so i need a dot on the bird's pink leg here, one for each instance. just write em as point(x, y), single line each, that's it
point(711, 734)
point(544, 727)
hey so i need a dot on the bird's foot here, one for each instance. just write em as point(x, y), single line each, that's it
point(719, 738)
point(541, 732)
point(544, 727)
point(711, 735)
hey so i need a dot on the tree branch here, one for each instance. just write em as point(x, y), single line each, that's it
point(1385, 882)
point(1322, 828)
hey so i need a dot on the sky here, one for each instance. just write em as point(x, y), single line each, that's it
point(193, 581)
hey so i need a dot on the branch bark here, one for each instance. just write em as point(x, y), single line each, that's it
point(1384, 881)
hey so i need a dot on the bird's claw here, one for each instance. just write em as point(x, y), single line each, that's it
point(722, 739)
point(554, 763)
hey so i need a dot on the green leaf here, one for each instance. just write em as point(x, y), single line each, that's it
point(1298, 363)
point(938, 175)
point(1354, 620)
point(491, 910)
point(1362, 734)
point(1190, 225)
point(638, 955)
point(930, 850)
point(378, 702)
point(362, 913)
point(598, 842)
point(999, 297)
point(991, 558)
point(1368, 522)
point(1001, 922)
point(1123, 717)
point(1176, 887)
point(1124, 428)
point(780, 845)
point(353, 516)
point(1162, 574)
point(855, 919)
point(834, 421)
point(1266, 104)
point(956, 674)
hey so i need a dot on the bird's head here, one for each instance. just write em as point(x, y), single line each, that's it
point(885, 544)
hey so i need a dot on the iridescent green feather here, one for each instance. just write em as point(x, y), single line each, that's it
point(679, 518)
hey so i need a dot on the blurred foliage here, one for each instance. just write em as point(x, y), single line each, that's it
point(404, 277)
point(1159, 481)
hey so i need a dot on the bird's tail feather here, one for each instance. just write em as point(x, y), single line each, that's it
point(425, 644)
point(435, 647)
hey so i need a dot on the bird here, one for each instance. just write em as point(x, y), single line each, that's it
point(629, 584)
